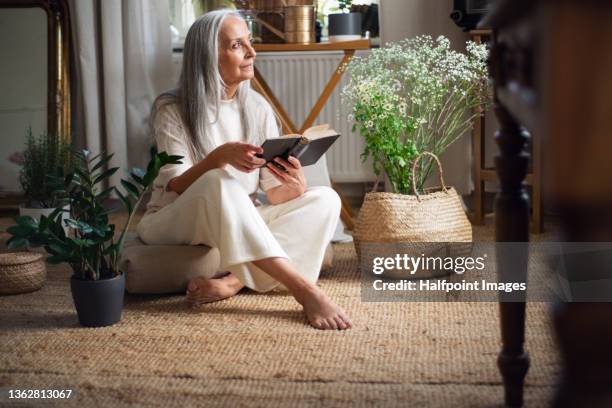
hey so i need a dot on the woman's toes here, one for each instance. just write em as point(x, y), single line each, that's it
point(199, 291)
point(192, 286)
point(340, 323)
point(347, 321)
point(331, 322)
point(319, 324)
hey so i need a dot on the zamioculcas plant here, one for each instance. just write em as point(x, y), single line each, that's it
point(92, 250)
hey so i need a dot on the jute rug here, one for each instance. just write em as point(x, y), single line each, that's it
point(257, 350)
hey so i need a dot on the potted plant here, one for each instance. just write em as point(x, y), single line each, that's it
point(345, 25)
point(44, 157)
point(410, 99)
point(414, 96)
point(94, 250)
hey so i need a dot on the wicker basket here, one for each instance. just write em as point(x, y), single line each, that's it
point(21, 272)
point(390, 223)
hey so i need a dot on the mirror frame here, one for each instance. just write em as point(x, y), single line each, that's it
point(58, 62)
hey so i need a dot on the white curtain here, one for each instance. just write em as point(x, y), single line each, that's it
point(123, 57)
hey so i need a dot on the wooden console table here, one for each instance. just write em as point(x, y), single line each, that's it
point(260, 85)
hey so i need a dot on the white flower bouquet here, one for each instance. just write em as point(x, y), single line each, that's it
point(414, 96)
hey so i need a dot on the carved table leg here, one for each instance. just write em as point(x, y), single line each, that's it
point(512, 225)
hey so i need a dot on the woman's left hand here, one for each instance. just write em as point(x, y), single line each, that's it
point(290, 173)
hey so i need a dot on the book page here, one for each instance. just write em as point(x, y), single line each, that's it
point(314, 132)
point(319, 131)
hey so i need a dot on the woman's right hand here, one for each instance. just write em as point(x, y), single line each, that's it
point(239, 155)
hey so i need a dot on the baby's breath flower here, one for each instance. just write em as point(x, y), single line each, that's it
point(398, 89)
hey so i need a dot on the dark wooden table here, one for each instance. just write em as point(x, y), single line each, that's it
point(551, 62)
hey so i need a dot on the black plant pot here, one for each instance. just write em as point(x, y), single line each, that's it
point(344, 26)
point(98, 302)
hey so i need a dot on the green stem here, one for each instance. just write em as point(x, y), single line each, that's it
point(121, 241)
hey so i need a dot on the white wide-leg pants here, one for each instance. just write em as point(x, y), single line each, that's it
point(217, 211)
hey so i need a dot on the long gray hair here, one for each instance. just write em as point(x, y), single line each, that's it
point(201, 86)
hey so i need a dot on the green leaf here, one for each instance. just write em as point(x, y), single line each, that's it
point(55, 249)
point(56, 213)
point(130, 188)
point(111, 248)
point(102, 162)
point(93, 159)
point(83, 176)
point(68, 179)
point(155, 162)
point(101, 197)
point(20, 230)
point(26, 221)
point(152, 169)
point(105, 175)
point(136, 178)
point(44, 223)
point(82, 242)
point(102, 230)
point(81, 226)
point(126, 202)
point(158, 161)
point(39, 239)
point(16, 243)
point(55, 182)
point(173, 159)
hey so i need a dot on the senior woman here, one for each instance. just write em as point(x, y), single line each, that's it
point(218, 123)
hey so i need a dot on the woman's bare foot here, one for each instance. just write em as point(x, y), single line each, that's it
point(321, 312)
point(201, 290)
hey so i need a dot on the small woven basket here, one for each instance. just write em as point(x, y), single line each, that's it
point(21, 272)
point(390, 223)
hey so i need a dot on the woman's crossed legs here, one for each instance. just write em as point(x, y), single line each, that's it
point(216, 208)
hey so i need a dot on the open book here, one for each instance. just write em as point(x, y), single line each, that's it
point(307, 147)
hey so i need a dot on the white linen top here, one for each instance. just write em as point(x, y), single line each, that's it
point(171, 137)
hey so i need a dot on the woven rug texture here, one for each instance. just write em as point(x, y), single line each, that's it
point(257, 350)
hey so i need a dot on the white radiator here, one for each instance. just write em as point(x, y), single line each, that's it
point(297, 79)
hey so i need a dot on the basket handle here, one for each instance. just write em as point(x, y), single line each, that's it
point(414, 165)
